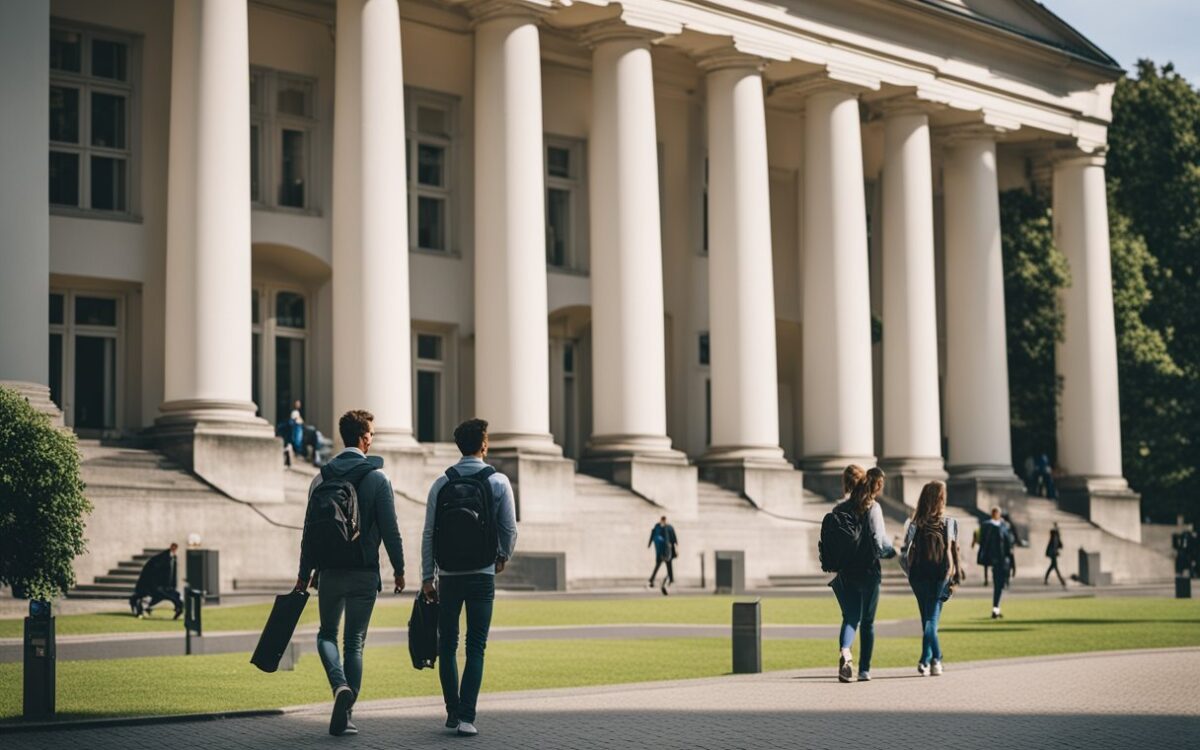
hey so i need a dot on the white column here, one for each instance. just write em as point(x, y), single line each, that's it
point(911, 411)
point(977, 415)
point(371, 331)
point(511, 335)
point(1089, 440)
point(745, 419)
point(24, 206)
point(838, 412)
point(207, 347)
point(629, 368)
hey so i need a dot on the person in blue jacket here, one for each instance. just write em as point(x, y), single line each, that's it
point(666, 549)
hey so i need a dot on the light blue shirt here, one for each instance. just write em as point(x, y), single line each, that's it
point(504, 511)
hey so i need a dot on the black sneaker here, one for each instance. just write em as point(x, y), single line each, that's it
point(343, 701)
point(178, 612)
point(452, 721)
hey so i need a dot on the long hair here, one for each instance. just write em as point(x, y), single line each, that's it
point(862, 497)
point(851, 476)
point(931, 510)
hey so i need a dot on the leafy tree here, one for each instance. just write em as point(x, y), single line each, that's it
point(1154, 185)
point(1035, 271)
point(42, 506)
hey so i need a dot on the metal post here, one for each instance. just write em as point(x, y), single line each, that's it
point(40, 662)
point(747, 637)
point(193, 603)
point(703, 584)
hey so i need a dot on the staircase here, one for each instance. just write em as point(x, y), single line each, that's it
point(118, 583)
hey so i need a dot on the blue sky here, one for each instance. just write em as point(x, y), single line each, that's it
point(1163, 30)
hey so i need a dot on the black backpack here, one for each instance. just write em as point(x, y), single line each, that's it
point(333, 526)
point(923, 566)
point(841, 540)
point(464, 527)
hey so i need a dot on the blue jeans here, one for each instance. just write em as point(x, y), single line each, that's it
point(354, 592)
point(929, 601)
point(999, 580)
point(476, 592)
point(859, 598)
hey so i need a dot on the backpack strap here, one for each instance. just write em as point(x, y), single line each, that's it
point(452, 473)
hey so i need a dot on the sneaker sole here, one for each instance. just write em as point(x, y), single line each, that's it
point(341, 704)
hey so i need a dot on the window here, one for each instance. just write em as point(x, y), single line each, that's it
point(279, 330)
point(282, 138)
point(91, 93)
point(430, 120)
point(704, 359)
point(566, 202)
point(85, 351)
point(430, 370)
point(703, 343)
point(704, 211)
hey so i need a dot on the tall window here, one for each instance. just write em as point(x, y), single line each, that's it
point(703, 358)
point(91, 90)
point(704, 211)
point(430, 370)
point(430, 122)
point(282, 134)
point(566, 230)
point(85, 343)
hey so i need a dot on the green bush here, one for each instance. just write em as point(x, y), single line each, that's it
point(42, 506)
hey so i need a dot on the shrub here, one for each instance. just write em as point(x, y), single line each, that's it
point(42, 506)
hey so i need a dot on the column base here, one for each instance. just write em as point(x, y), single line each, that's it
point(38, 396)
point(761, 475)
point(823, 474)
point(1107, 502)
point(646, 465)
point(226, 445)
point(980, 488)
point(403, 461)
point(543, 481)
point(907, 476)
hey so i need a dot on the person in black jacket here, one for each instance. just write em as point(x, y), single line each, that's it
point(1053, 548)
point(157, 581)
point(666, 549)
point(352, 590)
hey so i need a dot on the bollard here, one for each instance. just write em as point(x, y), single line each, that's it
point(193, 602)
point(40, 662)
point(703, 583)
point(747, 637)
point(1183, 587)
point(730, 571)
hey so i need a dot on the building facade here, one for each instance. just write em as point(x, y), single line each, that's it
point(656, 242)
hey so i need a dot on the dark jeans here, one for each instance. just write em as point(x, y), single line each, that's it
point(658, 564)
point(858, 597)
point(929, 601)
point(999, 581)
point(1054, 568)
point(352, 592)
point(476, 592)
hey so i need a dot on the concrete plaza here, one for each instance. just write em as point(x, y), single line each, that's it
point(1146, 699)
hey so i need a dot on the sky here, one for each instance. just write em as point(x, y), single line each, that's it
point(1162, 30)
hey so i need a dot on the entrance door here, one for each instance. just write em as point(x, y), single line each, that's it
point(279, 361)
point(85, 343)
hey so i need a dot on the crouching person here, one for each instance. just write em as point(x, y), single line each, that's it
point(351, 510)
point(470, 533)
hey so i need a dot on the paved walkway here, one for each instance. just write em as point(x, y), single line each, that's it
point(1120, 700)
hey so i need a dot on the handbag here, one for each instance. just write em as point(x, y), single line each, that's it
point(423, 633)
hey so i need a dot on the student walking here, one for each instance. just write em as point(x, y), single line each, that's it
point(159, 581)
point(470, 534)
point(975, 543)
point(666, 549)
point(351, 510)
point(853, 541)
point(995, 549)
point(930, 557)
point(1053, 548)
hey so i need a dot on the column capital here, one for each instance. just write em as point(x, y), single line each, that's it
point(616, 30)
point(903, 104)
point(1071, 156)
point(727, 57)
point(482, 11)
point(949, 136)
point(831, 78)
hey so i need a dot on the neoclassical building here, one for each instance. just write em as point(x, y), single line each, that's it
point(665, 247)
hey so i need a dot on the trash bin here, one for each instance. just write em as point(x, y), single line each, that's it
point(747, 637)
point(40, 662)
point(1183, 587)
point(731, 571)
point(204, 573)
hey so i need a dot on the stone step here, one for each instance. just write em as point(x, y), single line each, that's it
point(122, 580)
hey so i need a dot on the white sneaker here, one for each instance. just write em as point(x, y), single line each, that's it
point(864, 676)
point(922, 668)
point(467, 729)
point(935, 668)
point(845, 669)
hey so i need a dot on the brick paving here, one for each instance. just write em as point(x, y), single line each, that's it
point(1147, 699)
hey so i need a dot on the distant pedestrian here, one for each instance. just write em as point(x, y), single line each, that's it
point(296, 429)
point(1053, 548)
point(1045, 477)
point(158, 581)
point(470, 534)
point(995, 549)
point(666, 549)
point(853, 541)
point(1017, 541)
point(351, 511)
point(975, 543)
point(931, 559)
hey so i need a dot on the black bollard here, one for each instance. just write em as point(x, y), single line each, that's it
point(40, 662)
point(193, 602)
point(747, 637)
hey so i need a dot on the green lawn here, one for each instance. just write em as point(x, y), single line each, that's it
point(228, 682)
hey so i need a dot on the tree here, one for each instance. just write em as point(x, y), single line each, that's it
point(1154, 189)
point(1035, 271)
point(42, 506)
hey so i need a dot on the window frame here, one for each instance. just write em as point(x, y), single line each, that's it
point(69, 330)
point(577, 252)
point(86, 83)
point(265, 115)
point(414, 99)
point(445, 368)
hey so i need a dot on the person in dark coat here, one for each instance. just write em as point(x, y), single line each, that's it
point(1053, 548)
point(157, 581)
point(662, 536)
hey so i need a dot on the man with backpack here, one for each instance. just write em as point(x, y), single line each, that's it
point(351, 510)
point(995, 549)
point(662, 536)
point(470, 534)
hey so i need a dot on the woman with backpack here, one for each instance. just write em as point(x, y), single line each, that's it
point(857, 583)
point(930, 557)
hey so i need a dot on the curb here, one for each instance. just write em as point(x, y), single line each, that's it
point(135, 721)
